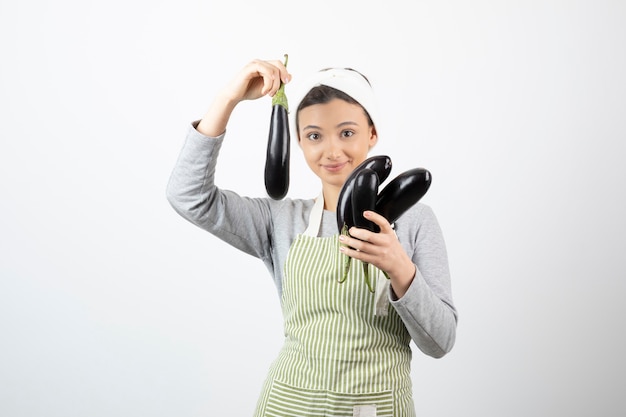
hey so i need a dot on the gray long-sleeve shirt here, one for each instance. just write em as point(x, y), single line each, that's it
point(265, 228)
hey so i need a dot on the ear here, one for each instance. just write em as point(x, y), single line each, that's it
point(373, 137)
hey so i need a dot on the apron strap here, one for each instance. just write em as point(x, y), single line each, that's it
point(315, 217)
point(381, 304)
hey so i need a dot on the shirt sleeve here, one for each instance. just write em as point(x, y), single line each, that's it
point(427, 308)
point(243, 222)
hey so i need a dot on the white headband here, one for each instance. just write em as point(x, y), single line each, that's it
point(348, 81)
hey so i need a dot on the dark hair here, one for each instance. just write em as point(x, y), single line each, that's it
point(322, 94)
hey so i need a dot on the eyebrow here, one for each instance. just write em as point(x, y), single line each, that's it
point(342, 124)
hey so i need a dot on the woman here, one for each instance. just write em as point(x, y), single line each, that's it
point(346, 349)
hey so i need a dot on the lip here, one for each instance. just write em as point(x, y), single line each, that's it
point(334, 167)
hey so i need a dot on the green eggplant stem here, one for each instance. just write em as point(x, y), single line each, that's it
point(280, 97)
point(368, 281)
point(347, 262)
point(346, 268)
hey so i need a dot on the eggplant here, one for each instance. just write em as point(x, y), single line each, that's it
point(402, 192)
point(360, 193)
point(381, 165)
point(278, 146)
point(364, 196)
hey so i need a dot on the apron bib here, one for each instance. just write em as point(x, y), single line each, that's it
point(339, 358)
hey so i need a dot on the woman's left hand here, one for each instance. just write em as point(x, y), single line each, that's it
point(382, 249)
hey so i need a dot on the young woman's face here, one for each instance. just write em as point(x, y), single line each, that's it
point(335, 137)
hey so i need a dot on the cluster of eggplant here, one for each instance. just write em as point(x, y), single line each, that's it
point(360, 193)
point(278, 146)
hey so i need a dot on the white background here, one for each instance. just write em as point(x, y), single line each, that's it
point(113, 305)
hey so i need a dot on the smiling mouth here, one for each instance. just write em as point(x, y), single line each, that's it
point(334, 167)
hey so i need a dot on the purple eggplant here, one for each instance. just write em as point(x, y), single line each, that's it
point(381, 165)
point(278, 147)
point(402, 192)
point(364, 196)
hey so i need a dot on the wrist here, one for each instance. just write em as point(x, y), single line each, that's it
point(216, 118)
point(402, 278)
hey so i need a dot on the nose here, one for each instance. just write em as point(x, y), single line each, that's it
point(333, 149)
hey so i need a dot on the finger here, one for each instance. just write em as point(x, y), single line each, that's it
point(355, 253)
point(285, 76)
point(269, 73)
point(375, 238)
point(279, 75)
point(271, 81)
point(351, 242)
point(359, 234)
point(379, 220)
point(364, 241)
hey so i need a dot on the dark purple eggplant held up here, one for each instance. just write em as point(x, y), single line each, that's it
point(402, 192)
point(360, 193)
point(381, 165)
point(364, 196)
point(278, 146)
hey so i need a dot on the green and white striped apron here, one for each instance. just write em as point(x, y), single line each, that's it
point(339, 358)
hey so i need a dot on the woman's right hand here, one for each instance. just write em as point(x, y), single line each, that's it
point(257, 79)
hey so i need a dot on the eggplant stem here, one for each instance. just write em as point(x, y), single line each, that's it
point(280, 97)
point(347, 260)
point(346, 269)
point(368, 282)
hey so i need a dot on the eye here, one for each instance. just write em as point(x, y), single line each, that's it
point(313, 137)
point(347, 133)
